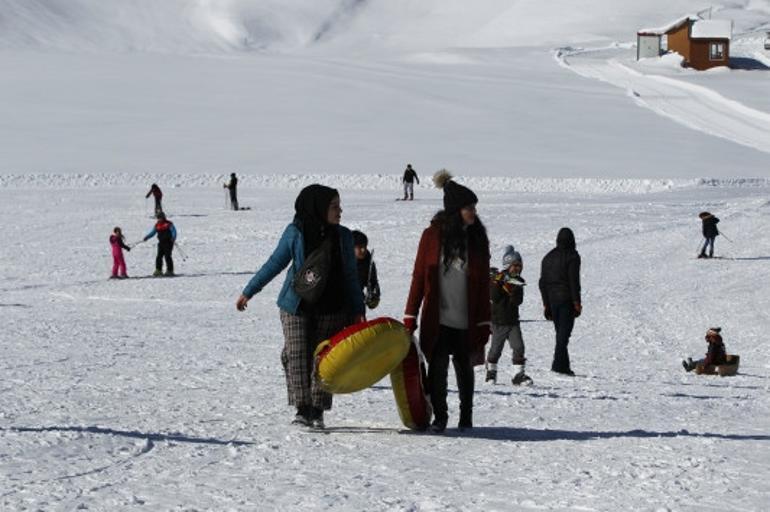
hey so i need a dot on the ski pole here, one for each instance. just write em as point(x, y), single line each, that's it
point(181, 252)
point(725, 237)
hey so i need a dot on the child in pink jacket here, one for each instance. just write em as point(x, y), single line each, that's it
point(118, 263)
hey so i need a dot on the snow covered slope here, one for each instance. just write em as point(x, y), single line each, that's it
point(156, 394)
point(339, 86)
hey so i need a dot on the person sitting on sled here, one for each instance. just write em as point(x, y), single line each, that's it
point(715, 356)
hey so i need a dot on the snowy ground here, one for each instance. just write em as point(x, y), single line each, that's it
point(156, 394)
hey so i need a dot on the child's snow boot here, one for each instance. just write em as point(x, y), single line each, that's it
point(519, 377)
point(491, 373)
point(157, 273)
point(688, 364)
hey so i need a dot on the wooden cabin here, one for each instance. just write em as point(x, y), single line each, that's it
point(702, 43)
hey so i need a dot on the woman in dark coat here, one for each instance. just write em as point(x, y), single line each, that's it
point(317, 218)
point(450, 283)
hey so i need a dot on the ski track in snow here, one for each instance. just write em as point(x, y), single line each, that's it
point(160, 395)
point(691, 105)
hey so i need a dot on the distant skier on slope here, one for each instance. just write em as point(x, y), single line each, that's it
point(410, 176)
point(710, 232)
point(232, 186)
point(157, 194)
point(507, 294)
point(166, 232)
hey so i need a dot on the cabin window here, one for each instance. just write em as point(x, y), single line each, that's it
point(716, 51)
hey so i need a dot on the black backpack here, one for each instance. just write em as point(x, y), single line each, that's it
point(311, 278)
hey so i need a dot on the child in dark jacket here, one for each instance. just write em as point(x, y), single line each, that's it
point(715, 356)
point(118, 262)
point(367, 270)
point(507, 294)
point(710, 232)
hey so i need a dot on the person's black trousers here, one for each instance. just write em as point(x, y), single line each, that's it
point(455, 342)
point(164, 253)
point(563, 316)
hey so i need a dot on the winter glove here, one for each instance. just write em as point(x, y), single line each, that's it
point(547, 313)
point(578, 308)
point(128, 248)
point(411, 324)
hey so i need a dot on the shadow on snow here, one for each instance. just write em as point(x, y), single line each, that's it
point(133, 434)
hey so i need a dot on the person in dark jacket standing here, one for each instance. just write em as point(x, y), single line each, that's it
point(450, 290)
point(367, 270)
point(710, 232)
point(166, 232)
point(506, 291)
point(410, 176)
point(317, 219)
point(157, 194)
point(560, 289)
point(232, 186)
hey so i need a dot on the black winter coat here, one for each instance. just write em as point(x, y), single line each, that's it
point(506, 299)
point(710, 226)
point(560, 272)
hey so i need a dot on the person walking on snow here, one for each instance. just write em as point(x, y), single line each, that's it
point(560, 289)
point(507, 294)
point(410, 176)
point(232, 185)
point(450, 284)
point(158, 196)
point(166, 232)
point(710, 232)
point(366, 270)
point(316, 226)
point(117, 242)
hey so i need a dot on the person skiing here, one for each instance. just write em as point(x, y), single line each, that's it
point(450, 291)
point(560, 290)
point(166, 232)
point(157, 194)
point(117, 243)
point(410, 176)
point(367, 270)
point(715, 356)
point(232, 186)
point(507, 294)
point(316, 225)
point(710, 232)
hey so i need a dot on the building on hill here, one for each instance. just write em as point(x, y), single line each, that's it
point(702, 43)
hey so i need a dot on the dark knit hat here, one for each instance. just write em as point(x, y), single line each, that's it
point(360, 239)
point(456, 196)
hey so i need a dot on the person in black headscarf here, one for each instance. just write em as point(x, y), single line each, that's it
point(305, 325)
point(560, 290)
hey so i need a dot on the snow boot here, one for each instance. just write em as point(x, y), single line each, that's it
point(317, 418)
point(688, 364)
point(491, 373)
point(519, 377)
point(438, 426)
point(466, 420)
point(302, 418)
point(157, 273)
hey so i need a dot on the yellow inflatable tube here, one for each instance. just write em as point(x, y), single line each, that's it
point(361, 355)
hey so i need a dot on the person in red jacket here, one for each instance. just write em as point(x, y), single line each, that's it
point(450, 284)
